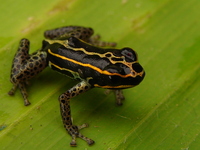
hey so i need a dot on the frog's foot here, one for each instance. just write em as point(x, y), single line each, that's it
point(23, 91)
point(95, 40)
point(119, 97)
point(12, 91)
point(74, 132)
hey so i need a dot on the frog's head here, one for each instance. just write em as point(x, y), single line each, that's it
point(124, 70)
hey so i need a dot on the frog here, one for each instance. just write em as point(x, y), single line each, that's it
point(75, 52)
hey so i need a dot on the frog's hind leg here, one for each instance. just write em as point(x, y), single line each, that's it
point(79, 32)
point(63, 33)
point(24, 67)
point(95, 40)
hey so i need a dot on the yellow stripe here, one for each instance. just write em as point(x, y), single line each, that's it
point(96, 85)
point(114, 87)
point(87, 65)
point(52, 64)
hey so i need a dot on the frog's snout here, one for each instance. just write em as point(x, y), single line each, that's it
point(138, 69)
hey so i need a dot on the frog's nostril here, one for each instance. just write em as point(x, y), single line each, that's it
point(137, 67)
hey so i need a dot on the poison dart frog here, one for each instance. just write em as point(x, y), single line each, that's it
point(73, 51)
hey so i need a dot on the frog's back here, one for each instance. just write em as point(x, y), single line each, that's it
point(76, 58)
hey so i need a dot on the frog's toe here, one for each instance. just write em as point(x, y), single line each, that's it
point(26, 102)
point(85, 125)
point(11, 93)
point(76, 134)
point(73, 142)
point(88, 140)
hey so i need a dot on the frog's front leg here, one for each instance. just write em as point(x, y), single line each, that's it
point(24, 67)
point(64, 100)
point(119, 96)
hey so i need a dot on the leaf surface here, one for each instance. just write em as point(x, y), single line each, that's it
point(161, 113)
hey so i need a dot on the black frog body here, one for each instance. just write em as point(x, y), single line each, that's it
point(106, 68)
point(73, 52)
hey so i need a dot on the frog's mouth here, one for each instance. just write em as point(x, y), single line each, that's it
point(137, 70)
point(138, 73)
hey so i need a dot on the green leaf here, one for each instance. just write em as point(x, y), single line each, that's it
point(161, 113)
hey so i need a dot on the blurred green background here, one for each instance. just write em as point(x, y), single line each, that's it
point(161, 113)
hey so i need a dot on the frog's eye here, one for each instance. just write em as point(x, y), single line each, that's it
point(129, 54)
point(114, 69)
